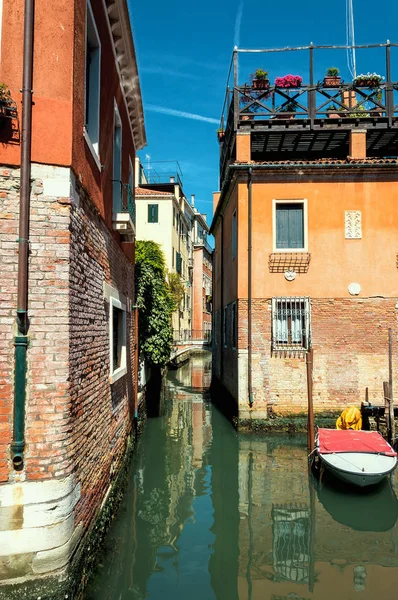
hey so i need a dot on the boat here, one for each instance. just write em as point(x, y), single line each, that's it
point(360, 458)
point(376, 510)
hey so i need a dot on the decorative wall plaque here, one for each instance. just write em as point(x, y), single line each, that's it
point(290, 275)
point(353, 224)
point(354, 289)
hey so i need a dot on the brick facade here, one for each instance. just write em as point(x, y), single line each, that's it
point(350, 342)
point(77, 423)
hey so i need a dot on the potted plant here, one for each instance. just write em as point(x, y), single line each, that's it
point(5, 99)
point(260, 79)
point(289, 107)
point(289, 81)
point(220, 134)
point(332, 112)
point(332, 78)
point(368, 80)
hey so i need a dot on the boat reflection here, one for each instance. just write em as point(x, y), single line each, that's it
point(372, 510)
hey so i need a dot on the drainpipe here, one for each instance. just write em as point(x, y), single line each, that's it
point(21, 339)
point(249, 290)
point(222, 299)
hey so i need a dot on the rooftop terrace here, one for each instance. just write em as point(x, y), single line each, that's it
point(294, 119)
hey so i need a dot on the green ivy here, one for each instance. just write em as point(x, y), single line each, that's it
point(155, 303)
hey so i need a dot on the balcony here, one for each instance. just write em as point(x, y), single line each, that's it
point(312, 120)
point(123, 219)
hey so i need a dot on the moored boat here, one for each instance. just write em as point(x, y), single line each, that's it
point(361, 458)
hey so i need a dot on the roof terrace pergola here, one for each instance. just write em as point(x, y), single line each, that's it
point(311, 120)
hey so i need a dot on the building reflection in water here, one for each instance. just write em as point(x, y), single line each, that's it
point(213, 515)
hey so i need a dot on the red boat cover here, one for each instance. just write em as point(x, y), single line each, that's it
point(334, 440)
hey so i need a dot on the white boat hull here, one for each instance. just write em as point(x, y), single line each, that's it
point(358, 468)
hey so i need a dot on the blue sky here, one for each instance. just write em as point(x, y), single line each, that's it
point(184, 51)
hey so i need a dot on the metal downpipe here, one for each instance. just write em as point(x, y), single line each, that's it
point(21, 339)
point(249, 290)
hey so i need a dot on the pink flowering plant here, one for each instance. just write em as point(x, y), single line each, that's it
point(289, 81)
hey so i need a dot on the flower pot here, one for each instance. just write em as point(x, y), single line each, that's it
point(331, 81)
point(220, 135)
point(367, 83)
point(260, 84)
point(332, 115)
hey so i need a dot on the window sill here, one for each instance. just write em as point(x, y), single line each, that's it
point(291, 250)
point(92, 149)
point(123, 223)
point(117, 374)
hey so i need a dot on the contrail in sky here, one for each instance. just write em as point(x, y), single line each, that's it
point(238, 23)
point(179, 113)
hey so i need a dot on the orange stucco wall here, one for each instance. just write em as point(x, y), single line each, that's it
point(59, 96)
point(52, 78)
point(335, 261)
point(99, 182)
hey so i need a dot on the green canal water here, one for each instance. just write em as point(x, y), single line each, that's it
point(210, 514)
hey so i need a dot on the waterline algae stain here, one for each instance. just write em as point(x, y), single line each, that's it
point(212, 514)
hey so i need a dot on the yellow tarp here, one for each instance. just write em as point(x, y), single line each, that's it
point(350, 418)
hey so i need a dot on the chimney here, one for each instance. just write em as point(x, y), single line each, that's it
point(193, 200)
point(172, 179)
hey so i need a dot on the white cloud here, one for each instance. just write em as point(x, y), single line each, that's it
point(179, 113)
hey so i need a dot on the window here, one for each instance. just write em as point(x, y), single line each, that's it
point(225, 327)
point(234, 235)
point(290, 225)
point(234, 326)
point(117, 163)
point(291, 324)
point(117, 335)
point(92, 88)
point(178, 262)
point(153, 213)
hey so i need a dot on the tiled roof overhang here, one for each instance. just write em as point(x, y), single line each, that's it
point(119, 20)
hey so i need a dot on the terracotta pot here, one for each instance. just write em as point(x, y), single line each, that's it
point(331, 81)
point(220, 135)
point(332, 115)
point(260, 84)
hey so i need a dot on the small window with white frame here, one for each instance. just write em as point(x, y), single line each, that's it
point(290, 226)
point(291, 324)
point(92, 82)
point(117, 336)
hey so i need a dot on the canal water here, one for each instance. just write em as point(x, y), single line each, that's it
point(210, 514)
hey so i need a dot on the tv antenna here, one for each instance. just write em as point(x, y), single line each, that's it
point(350, 39)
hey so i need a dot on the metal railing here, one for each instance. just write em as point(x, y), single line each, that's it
point(128, 202)
point(185, 336)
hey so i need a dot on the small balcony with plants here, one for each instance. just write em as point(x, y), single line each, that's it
point(123, 218)
point(310, 111)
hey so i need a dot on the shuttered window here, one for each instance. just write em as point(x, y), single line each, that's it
point(153, 213)
point(178, 263)
point(290, 225)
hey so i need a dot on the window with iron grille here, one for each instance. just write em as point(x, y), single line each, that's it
point(291, 323)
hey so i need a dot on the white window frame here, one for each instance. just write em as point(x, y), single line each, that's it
point(302, 201)
point(91, 143)
point(302, 335)
point(116, 374)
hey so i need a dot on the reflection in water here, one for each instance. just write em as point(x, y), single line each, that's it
point(213, 515)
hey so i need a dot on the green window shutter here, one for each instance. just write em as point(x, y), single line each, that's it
point(178, 262)
point(290, 226)
point(153, 213)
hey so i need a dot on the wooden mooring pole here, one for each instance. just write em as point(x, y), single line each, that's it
point(390, 388)
point(309, 358)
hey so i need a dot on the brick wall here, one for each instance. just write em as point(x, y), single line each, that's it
point(102, 413)
point(77, 422)
point(350, 341)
